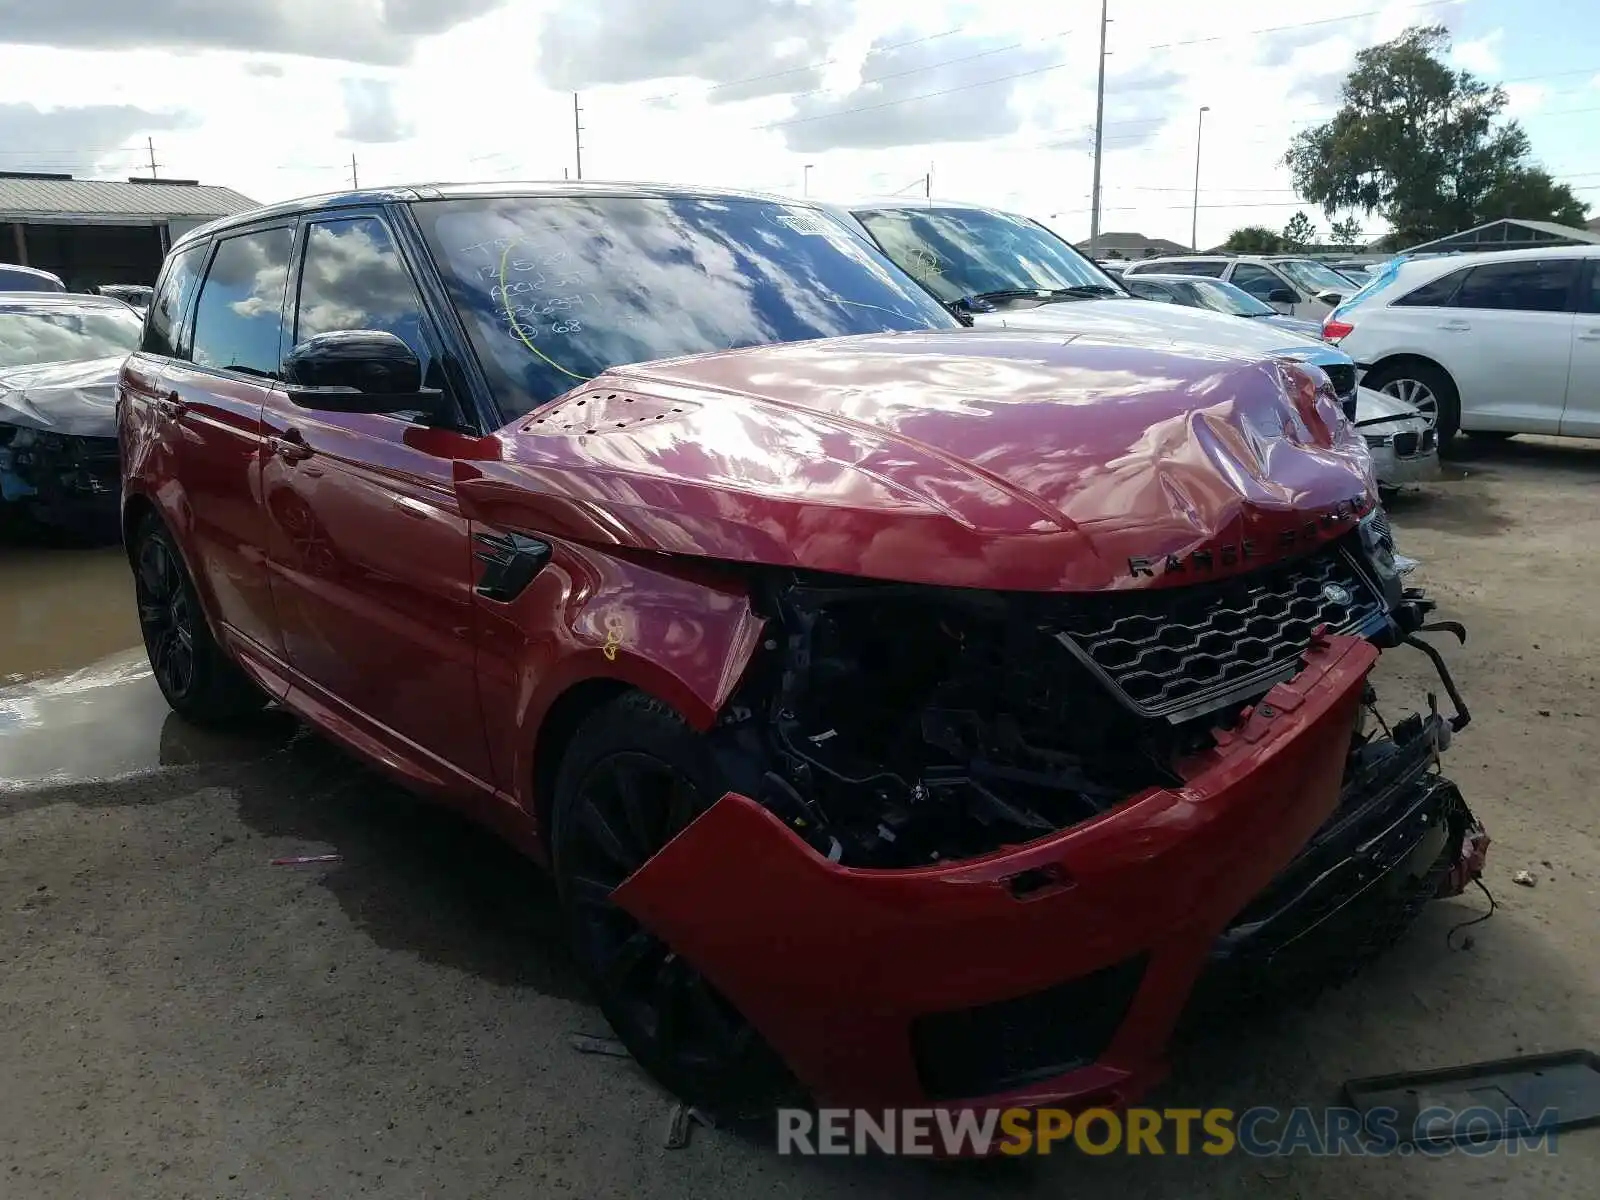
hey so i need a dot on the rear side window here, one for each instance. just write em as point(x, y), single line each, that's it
point(1212, 270)
point(163, 333)
point(239, 317)
point(1532, 285)
point(1436, 293)
point(1147, 290)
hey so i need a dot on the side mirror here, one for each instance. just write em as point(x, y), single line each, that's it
point(1282, 296)
point(1331, 299)
point(359, 370)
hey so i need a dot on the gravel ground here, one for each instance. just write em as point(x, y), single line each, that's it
point(180, 1018)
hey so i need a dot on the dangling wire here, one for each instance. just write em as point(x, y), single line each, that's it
point(1449, 937)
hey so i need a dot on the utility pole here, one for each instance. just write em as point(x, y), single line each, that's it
point(927, 185)
point(805, 180)
point(1194, 219)
point(1099, 133)
point(577, 135)
point(355, 179)
point(151, 142)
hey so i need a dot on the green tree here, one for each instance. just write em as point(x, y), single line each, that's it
point(1254, 239)
point(1299, 232)
point(1423, 146)
point(1346, 232)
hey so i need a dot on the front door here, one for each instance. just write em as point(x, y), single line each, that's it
point(371, 559)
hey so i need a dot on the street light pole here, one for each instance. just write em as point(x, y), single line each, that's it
point(1099, 130)
point(1194, 221)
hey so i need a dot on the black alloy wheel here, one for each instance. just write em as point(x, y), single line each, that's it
point(165, 617)
point(198, 679)
point(630, 782)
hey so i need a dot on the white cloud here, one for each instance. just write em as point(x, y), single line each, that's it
point(1481, 55)
point(674, 90)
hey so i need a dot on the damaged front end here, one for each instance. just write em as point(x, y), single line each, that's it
point(64, 481)
point(999, 838)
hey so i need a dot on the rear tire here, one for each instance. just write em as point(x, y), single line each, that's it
point(201, 683)
point(633, 777)
point(1426, 386)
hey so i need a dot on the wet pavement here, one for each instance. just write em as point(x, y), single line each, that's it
point(62, 607)
point(181, 1017)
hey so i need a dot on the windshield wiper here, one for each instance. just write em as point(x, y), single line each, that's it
point(1077, 292)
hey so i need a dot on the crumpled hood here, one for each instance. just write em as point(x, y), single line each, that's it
point(1000, 460)
point(1149, 323)
point(76, 399)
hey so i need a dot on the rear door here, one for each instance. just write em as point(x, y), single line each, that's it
point(206, 377)
point(1507, 341)
point(372, 566)
point(1581, 415)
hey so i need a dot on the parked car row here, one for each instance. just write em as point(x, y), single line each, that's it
point(1493, 344)
point(919, 678)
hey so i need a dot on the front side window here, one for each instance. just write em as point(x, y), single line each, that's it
point(162, 334)
point(1148, 289)
point(66, 333)
point(553, 290)
point(1527, 285)
point(962, 253)
point(354, 278)
point(1589, 300)
point(1256, 280)
point(239, 315)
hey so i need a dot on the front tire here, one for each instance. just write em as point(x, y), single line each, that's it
point(1427, 388)
point(634, 777)
point(201, 683)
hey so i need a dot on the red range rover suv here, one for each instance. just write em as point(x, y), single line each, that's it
point(910, 714)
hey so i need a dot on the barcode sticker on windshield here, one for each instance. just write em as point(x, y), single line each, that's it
point(811, 225)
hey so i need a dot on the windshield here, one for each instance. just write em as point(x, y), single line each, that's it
point(1225, 298)
point(555, 289)
point(960, 252)
point(1312, 276)
point(66, 333)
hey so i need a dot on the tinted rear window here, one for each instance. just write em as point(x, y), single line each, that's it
point(27, 281)
point(1526, 285)
point(555, 289)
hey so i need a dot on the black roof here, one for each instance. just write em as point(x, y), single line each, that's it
point(444, 191)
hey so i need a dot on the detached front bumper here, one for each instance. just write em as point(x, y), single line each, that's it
point(63, 481)
point(1051, 973)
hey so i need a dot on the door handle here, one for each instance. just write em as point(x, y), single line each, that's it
point(291, 446)
point(1455, 326)
point(171, 405)
point(1592, 336)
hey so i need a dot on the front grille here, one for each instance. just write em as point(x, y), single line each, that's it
point(1427, 440)
point(1405, 444)
point(976, 1052)
point(1176, 652)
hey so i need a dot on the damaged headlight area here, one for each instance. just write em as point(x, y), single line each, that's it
point(61, 480)
point(895, 726)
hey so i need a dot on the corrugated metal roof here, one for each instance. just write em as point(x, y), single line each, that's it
point(1510, 233)
point(21, 199)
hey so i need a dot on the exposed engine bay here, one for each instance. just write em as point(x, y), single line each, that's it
point(899, 726)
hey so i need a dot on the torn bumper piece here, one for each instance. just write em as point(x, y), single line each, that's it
point(1050, 973)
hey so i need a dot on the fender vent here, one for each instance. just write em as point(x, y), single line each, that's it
point(510, 560)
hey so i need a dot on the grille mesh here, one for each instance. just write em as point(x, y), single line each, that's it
point(1174, 651)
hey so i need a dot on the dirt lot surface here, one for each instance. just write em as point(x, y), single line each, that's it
point(180, 1018)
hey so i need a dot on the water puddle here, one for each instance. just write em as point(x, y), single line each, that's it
point(109, 720)
point(62, 608)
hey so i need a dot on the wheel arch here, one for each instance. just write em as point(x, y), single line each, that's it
point(136, 507)
point(554, 735)
point(1405, 358)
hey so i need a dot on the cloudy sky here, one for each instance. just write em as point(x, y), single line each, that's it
point(273, 97)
